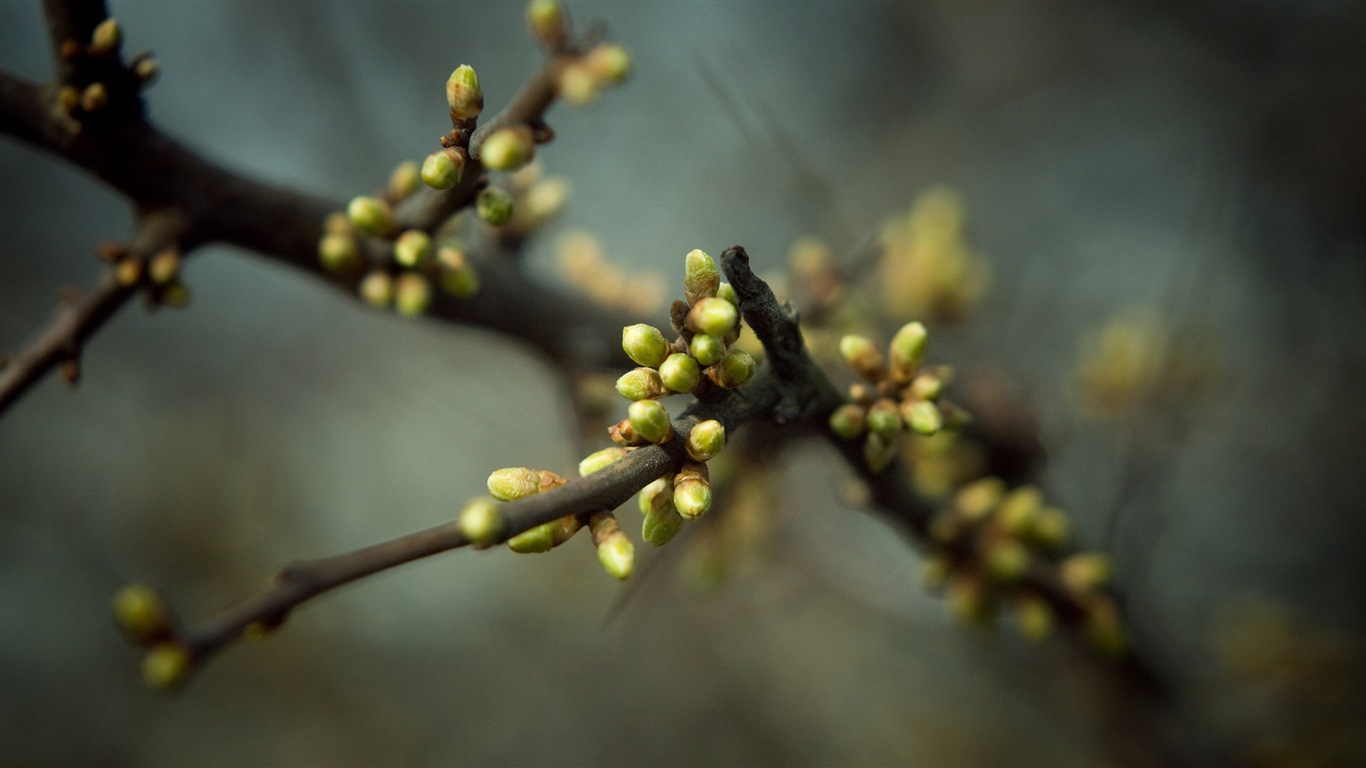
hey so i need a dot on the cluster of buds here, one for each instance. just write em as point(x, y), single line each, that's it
point(926, 268)
point(146, 619)
point(989, 542)
point(898, 393)
point(581, 261)
point(158, 275)
point(100, 77)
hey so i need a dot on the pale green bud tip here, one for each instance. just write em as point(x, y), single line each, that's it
point(377, 289)
point(692, 499)
point(405, 180)
point(1086, 571)
point(713, 316)
point(884, 419)
point(412, 294)
point(706, 348)
point(618, 556)
point(370, 215)
point(538, 539)
point(412, 248)
point(442, 170)
point(923, 416)
point(662, 522)
point(610, 62)
point(908, 347)
point(507, 149)
point(640, 384)
point(650, 420)
point(494, 206)
point(481, 522)
point(736, 369)
point(680, 373)
point(647, 494)
point(338, 252)
point(706, 440)
point(861, 355)
point(141, 613)
point(106, 38)
point(701, 277)
point(166, 666)
point(848, 421)
point(547, 20)
point(513, 483)
point(644, 344)
point(600, 460)
point(463, 94)
point(727, 291)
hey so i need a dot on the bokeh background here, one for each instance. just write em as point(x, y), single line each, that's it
point(1203, 160)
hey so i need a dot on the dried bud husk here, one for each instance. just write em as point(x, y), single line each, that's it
point(908, 350)
point(679, 372)
point(624, 435)
point(700, 276)
point(481, 522)
point(863, 356)
point(640, 384)
point(651, 421)
point(706, 439)
point(142, 614)
point(463, 94)
point(443, 170)
point(644, 344)
point(735, 370)
point(512, 483)
point(600, 460)
point(848, 421)
point(713, 316)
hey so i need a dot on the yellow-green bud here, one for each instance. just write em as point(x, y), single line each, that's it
point(908, 350)
point(1050, 528)
point(644, 344)
point(481, 521)
point(129, 271)
point(862, 355)
point(692, 499)
point(458, 277)
point(610, 62)
point(1007, 560)
point(618, 556)
point(706, 348)
point(1033, 617)
point(877, 453)
point(706, 440)
point(679, 372)
point(106, 38)
point(735, 370)
point(377, 289)
point(337, 251)
point(508, 148)
point(370, 215)
point(600, 460)
point(649, 493)
point(412, 248)
point(651, 421)
point(884, 419)
point(927, 386)
point(977, 499)
point(442, 170)
point(337, 222)
point(494, 206)
point(145, 70)
point(405, 180)
point(547, 21)
point(578, 85)
point(640, 384)
point(727, 291)
point(164, 266)
point(1085, 571)
point(95, 97)
point(713, 316)
point(1104, 628)
point(538, 539)
point(512, 483)
point(1018, 509)
point(412, 294)
point(662, 521)
point(848, 421)
point(166, 665)
point(700, 276)
point(463, 94)
point(142, 614)
point(922, 416)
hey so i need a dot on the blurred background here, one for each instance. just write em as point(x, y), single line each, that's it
point(1197, 165)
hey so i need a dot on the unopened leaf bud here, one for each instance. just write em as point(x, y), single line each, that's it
point(507, 149)
point(129, 271)
point(651, 421)
point(679, 372)
point(734, 370)
point(95, 97)
point(538, 539)
point(166, 666)
point(377, 289)
point(977, 499)
point(1050, 528)
point(412, 248)
point(142, 614)
point(106, 38)
point(662, 521)
point(1034, 617)
point(547, 21)
point(907, 350)
point(640, 384)
point(1018, 509)
point(862, 355)
point(1007, 560)
point(458, 277)
point(146, 70)
point(1085, 571)
point(463, 94)
point(701, 277)
point(494, 206)
point(884, 419)
point(727, 291)
point(927, 386)
point(644, 344)
point(713, 316)
point(706, 348)
point(615, 551)
point(692, 490)
point(578, 85)
point(442, 170)
point(877, 453)
point(706, 439)
point(405, 180)
point(412, 294)
point(164, 266)
point(370, 215)
point(922, 416)
point(336, 222)
point(848, 421)
point(338, 252)
point(512, 483)
point(661, 486)
point(481, 521)
point(610, 62)
point(600, 460)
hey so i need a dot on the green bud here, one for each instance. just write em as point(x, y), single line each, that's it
point(494, 206)
point(412, 248)
point(538, 539)
point(481, 521)
point(600, 460)
point(706, 440)
point(735, 370)
point(727, 291)
point(644, 344)
point(507, 149)
point(700, 276)
point(1033, 617)
point(95, 97)
point(884, 419)
point(662, 521)
point(679, 372)
point(1018, 509)
point(848, 421)
point(908, 350)
point(977, 499)
point(547, 21)
point(618, 556)
point(463, 94)
point(412, 294)
point(166, 666)
point(1085, 572)
point(458, 277)
point(862, 355)
point(610, 63)
point(1049, 528)
point(146, 70)
point(692, 498)
point(338, 252)
point(164, 266)
point(578, 85)
point(651, 421)
point(640, 384)
point(514, 483)
point(405, 180)
point(713, 316)
point(922, 416)
point(142, 614)
point(646, 498)
point(877, 453)
point(927, 386)
point(370, 215)
point(106, 38)
point(1007, 560)
point(706, 348)
point(442, 170)
point(377, 289)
